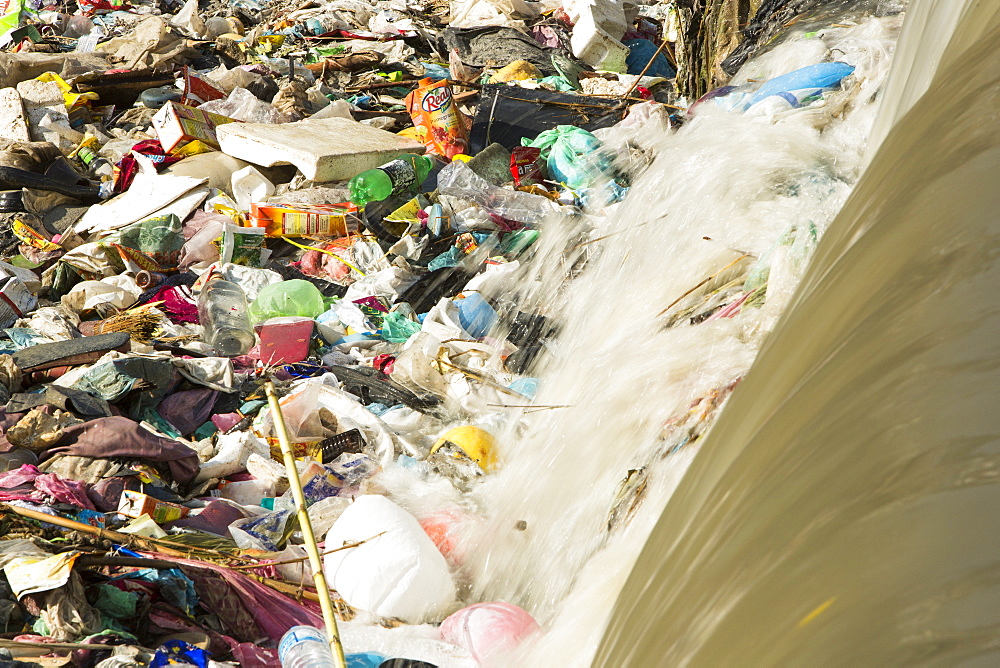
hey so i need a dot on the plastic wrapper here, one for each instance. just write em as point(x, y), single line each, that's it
point(526, 166)
point(242, 105)
point(437, 118)
point(159, 238)
point(243, 245)
point(267, 532)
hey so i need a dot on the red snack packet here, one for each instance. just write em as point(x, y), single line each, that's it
point(526, 166)
point(434, 112)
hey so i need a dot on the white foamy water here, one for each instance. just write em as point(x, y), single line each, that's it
point(631, 382)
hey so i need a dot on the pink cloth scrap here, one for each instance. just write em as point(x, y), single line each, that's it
point(29, 484)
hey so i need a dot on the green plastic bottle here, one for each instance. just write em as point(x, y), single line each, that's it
point(404, 173)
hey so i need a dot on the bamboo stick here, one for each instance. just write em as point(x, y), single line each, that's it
point(149, 544)
point(319, 578)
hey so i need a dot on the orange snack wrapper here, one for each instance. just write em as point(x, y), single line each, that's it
point(434, 112)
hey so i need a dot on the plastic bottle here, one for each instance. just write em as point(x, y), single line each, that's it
point(305, 647)
point(222, 310)
point(404, 173)
point(87, 154)
point(458, 179)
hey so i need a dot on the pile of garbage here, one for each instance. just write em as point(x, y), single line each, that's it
point(258, 265)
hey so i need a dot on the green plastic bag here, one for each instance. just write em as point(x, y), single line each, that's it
point(573, 156)
point(10, 15)
point(397, 328)
point(294, 297)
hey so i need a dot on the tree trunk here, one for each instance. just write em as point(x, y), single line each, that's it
point(710, 30)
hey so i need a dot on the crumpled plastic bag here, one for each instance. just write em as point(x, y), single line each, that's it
point(66, 615)
point(213, 372)
point(188, 20)
point(243, 105)
point(250, 279)
point(397, 328)
point(199, 249)
point(458, 180)
point(234, 450)
point(302, 409)
point(573, 156)
point(39, 430)
point(475, 13)
point(267, 532)
point(105, 298)
point(55, 323)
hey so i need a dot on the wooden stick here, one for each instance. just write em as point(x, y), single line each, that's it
point(106, 534)
point(329, 616)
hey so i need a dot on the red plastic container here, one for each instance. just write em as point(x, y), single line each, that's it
point(285, 340)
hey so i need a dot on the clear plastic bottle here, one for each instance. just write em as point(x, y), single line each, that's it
point(305, 647)
point(404, 173)
point(222, 310)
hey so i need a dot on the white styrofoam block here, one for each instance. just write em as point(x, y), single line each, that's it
point(13, 125)
point(596, 47)
point(328, 149)
point(43, 99)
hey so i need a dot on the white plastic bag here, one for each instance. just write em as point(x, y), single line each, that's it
point(399, 573)
point(231, 457)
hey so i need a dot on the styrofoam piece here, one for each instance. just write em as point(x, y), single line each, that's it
point(596, 47)
point(609, 15)
point(13, 124)
point(398, 572)
point(328, 149)
point(43, 99)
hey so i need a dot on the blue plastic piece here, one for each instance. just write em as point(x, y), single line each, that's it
point(641, 51)
point(435, 71)
point(526, 386)
point(365, 659)
point(476, 315)
point(178, 652)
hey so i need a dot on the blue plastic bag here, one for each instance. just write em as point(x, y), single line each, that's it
point(641, 51)
point(803, 82)
point(476, 315)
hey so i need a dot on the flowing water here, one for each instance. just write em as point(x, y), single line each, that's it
point(837, 513)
